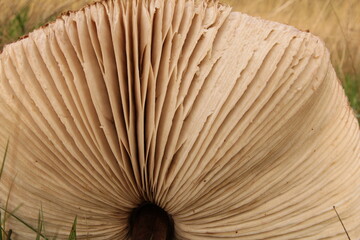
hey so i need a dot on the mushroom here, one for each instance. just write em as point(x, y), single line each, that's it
point(182, 113)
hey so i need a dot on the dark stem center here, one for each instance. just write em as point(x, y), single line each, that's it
point(150, 222)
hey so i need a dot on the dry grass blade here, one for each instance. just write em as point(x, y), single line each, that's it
point(345, 39)
point(4, 158)
point(347, 234)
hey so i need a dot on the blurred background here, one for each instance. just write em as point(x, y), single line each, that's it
point(337, 22)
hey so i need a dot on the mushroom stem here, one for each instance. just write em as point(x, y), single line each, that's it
point(149, 221)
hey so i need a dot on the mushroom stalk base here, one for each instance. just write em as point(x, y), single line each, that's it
point(149, 221)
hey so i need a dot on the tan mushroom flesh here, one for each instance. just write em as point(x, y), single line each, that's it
point(235, 126)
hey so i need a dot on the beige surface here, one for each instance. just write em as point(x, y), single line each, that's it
point(236, 126)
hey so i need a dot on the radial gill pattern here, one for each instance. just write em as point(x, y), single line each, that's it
point(237, 127)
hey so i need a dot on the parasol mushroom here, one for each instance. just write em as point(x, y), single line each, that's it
point(182, 113)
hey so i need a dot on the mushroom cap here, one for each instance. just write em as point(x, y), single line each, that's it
point(237, 127)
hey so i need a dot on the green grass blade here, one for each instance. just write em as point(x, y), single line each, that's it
point(40, 226)
point(23, 222)
point(42, 218)
point(3, 222)
point(72, 235)
point(4, 157)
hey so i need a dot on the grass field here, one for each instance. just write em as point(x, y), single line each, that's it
point(335, 21)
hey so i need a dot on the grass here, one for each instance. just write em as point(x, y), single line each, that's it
point(335, 21)
point(22, 16)
point(342, 224)
point(3, 159)
point(5, 215)
point(38, 231)
point(16, 26)
point(351, 84)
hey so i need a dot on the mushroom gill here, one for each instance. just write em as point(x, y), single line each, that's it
point(227, 126)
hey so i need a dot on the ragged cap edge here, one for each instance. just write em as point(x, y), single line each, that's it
point(68, 13)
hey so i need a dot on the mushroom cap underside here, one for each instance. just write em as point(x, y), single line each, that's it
point(237, 127)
